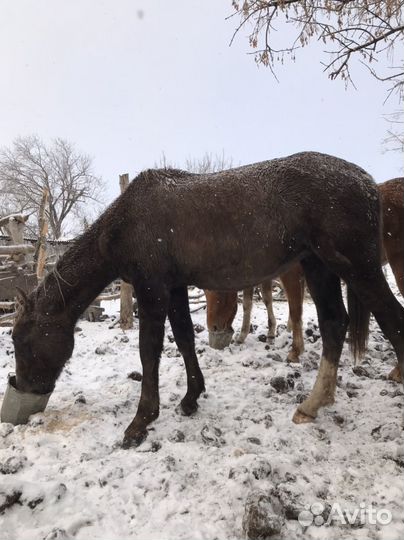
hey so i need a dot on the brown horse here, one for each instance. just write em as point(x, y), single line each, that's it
point(392, 199)
point(221, 308)
point(221, 231)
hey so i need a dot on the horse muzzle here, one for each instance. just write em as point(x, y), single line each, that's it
point(220, 339)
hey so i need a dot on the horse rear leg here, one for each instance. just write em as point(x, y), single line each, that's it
point(153, 305)
point(375, 294)
point(247, 308)
point(183, 330)
point(293, 283)
point(266, 289)
point(396, 261)
point(325, 289)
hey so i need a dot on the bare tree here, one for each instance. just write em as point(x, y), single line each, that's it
point(394, 141)
point(30, 166)
point(366, 29)
point(206, 164)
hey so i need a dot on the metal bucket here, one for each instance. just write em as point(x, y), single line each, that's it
point(18, 406)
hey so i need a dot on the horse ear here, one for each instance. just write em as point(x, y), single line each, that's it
point(22, 297)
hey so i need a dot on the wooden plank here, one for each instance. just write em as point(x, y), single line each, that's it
point(27, 282)
point(43, 231)
point(126, 288)
point(15, 249)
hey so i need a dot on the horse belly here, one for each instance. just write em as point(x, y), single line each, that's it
point(232, 272)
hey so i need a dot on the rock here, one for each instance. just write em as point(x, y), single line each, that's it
point(262, 338)
point(80, 399)
point(260, 519)
point(300, 397)
point(7, 500)
point(276, 357)
point(353, 386)
point(282, 384)
point(177, 436)
point(34, 502)
point(261, 469)
point(155, 446)
point(170, 463)
point(289, 498)
point(135, 376)
point(57, 534)
point(212, 436)
point(198, 328)
point(12, 465)
point(240, 474)
point(361, 371)
point(100, 350)
point(387, 432)
point(338, 419)
point(6, 429)
point(254, 440)
point(268, 420)
point(124, 339)
point(312, 332)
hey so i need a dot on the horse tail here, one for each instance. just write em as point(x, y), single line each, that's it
point(358, 325)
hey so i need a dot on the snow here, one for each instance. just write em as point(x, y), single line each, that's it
point(193, 475)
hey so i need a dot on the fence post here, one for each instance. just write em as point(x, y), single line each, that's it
point(126, 288)
point(43, 231)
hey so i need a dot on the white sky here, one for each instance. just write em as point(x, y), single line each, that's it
point(126, 88)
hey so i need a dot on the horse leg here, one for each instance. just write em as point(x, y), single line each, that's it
point(325, 289)
point(375, 293)
point(247, 308)
point(396, 262)
point(362, 272)
point(266, 289)
point(183, 330)
point(293, 283)
point(153, 306)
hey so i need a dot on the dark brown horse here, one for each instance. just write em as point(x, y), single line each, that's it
point(221, 308)
point(220, 231)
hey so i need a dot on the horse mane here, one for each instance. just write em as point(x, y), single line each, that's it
point(161, 175)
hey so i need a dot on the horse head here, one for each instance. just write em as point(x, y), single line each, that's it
point(221, 309)
point(43, 343)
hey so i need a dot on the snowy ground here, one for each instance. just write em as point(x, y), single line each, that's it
point(65, 476)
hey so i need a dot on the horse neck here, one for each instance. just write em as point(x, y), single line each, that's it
point(78, 278)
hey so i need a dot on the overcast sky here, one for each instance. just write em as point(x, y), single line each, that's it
point(126, 80)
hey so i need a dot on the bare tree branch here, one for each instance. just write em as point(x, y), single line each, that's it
point(30, 166)
point(364, 29)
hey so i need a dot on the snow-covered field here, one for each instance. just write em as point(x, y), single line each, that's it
point(64, 474)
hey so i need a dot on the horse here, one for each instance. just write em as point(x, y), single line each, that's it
point(221, 308)
point(392, 199)
point(220, 231)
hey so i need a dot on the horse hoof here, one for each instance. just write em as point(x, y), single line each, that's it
point(188, 407)
point(395, 375)
point(292, 358)
point(133, 441)
point(240, 339)
point(301, 418)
